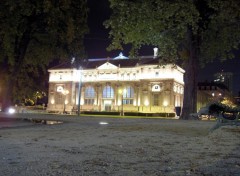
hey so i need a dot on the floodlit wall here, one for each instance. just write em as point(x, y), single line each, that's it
point(153, 88)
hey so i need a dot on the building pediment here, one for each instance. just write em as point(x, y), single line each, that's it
point(107, 66)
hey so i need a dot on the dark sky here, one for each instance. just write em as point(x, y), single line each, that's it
point(232, 65)
point(97, 41)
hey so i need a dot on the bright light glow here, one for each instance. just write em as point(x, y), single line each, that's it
point(155, 52)
point(120, 91)
point(82, 102)
point(65, 92)
point(213, 94)
point(52, 101)
point(165, 103)
point(119, 102)
point(146, 103)
point(59, 89)
point(103, 123)
point(107, 66)
point(73, 75)
point(11, 110)
point(134, 103)
point(138, 103)
point(66, 101)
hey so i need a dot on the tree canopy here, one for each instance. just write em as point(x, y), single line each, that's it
point(32, 35)
point(190, 32)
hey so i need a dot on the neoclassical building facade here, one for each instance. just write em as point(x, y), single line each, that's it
point(116, 84)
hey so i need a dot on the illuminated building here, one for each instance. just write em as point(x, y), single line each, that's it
point(116, 84)
point(209, 92)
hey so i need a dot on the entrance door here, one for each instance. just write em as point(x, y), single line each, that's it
point(107, 105)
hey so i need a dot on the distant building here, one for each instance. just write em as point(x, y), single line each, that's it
point(115, 84)
point(225, 78)
point(210, 92)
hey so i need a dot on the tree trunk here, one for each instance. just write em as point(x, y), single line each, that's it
point(190, 78)
point(20, 49)
point(7, 94)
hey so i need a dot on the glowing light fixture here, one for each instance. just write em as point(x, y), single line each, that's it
point(103, 123)
point(165, 103)
point(11, 110)
point(52, 101)
point(155, 52)
point(146, 103)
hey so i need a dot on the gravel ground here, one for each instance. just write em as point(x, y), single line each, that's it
point(119, 146)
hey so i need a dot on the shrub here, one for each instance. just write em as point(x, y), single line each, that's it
point(217, 108)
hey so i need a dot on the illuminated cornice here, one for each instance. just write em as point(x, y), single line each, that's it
point(110, 72)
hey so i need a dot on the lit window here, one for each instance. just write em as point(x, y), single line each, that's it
point(89, 92)
point(127, 101)
point(89, 95)
point(108, 92)
point(128, 95)
point(128, 92)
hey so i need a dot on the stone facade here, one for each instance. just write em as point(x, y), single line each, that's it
point(129, 85)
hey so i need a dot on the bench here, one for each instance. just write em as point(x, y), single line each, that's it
point(224, 115)
point(203, 112)
point(74, 111)
point(226, 118)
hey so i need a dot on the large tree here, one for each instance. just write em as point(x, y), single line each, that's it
point(33, 34)
point(190, 32)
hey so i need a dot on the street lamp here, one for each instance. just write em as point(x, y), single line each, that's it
point(79, 90)
point(121, 92)
point(165, 104)
point(64, 92)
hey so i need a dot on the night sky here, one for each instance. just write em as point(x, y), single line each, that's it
point(97, 41)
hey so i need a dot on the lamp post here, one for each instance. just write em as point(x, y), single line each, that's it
point(79, 91)
point(121, 92)
point(122, 113)
point(64, 92)
point(165, 104)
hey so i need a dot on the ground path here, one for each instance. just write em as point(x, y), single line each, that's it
point(119, 146)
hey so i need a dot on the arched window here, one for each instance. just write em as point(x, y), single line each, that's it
point(108, 92)
point(128, 95)
point(89, 95)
